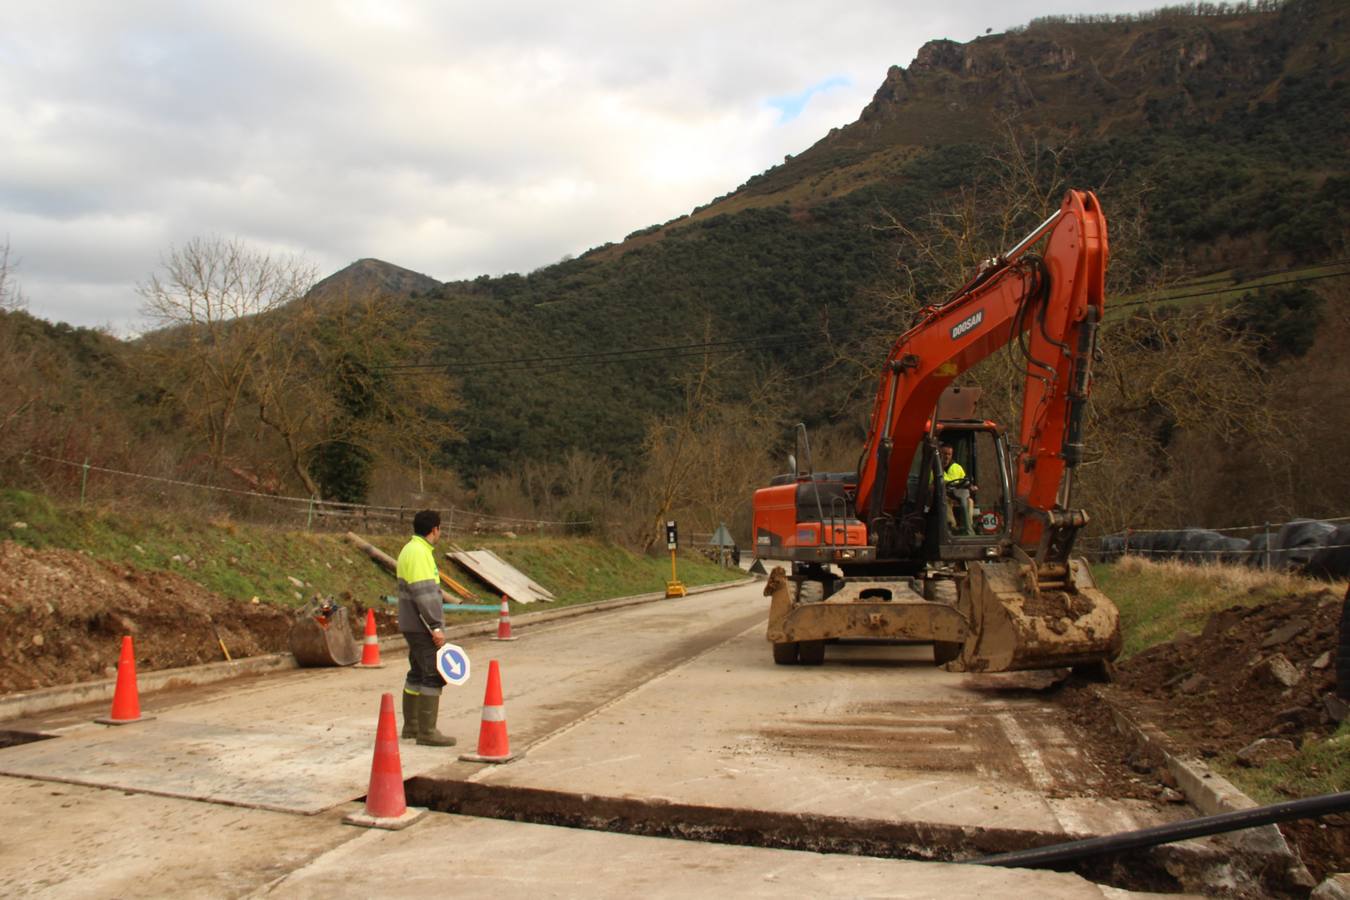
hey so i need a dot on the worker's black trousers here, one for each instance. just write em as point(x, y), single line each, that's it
point(422, 675)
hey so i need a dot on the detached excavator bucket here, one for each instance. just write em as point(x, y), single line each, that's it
point(1024, 619)
point(323, 640)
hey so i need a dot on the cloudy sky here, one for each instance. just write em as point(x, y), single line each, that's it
point(456, 139)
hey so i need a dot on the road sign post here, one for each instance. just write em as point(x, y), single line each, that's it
point(674, 587)
point(723, 541)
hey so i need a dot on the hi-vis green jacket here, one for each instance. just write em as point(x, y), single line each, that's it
point(419, 588)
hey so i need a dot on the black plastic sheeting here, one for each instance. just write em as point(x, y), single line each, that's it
point(1313, 547)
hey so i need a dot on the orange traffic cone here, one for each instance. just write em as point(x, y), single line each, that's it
point(493, 744)
point(386, 805)
point(504, 623)
point(126, 705)
point(370, 650)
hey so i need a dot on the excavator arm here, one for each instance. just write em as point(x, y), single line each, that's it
point(1059, 344)
point(1049, 303)
point(1021, 601)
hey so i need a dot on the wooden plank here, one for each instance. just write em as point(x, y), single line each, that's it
point(457, 587)
point(502, 576)
point(504, 580)
point(533, 585)
point(384, 559)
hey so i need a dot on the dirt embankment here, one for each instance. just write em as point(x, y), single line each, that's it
point(1255, 686)
point(63, 616)
point(1254, 672)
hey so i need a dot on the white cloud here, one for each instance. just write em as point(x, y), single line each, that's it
point(453, 139)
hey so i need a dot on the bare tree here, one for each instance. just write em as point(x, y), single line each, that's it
point(1167, 374)
point(326, 381)
point(939, 252)
point(15, 360)
point(11, 298)
point(706, 459)
point(214, 296)
point(581, 489)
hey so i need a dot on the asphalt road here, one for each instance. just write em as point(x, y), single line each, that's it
point(646, 726)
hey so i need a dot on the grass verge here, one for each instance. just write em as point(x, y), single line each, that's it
point(241, 561)
point(575, 570)
point(1160, 600)
point(1320, 767)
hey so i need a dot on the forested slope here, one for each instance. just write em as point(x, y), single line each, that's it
point(1212, 140)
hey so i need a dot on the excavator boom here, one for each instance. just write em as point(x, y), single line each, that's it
point(1046, 302)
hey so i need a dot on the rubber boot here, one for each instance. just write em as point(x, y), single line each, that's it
point(430, 709)
point(411, 712)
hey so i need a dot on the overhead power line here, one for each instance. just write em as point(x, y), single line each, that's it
point(794, 338)
point(624, 355)
point(1239, 286)
point(1229, 273)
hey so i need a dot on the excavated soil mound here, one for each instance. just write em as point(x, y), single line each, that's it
point(1217, 692)
point(1254, 672)
point(63, 616)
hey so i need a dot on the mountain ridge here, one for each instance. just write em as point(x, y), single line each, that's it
point(369, 276)
point(1206, 136)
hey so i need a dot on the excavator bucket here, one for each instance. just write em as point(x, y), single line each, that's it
point(322, 636)
point(1024, 618)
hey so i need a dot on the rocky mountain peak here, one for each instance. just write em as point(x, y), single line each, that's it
point(1098, 76)
point(374, 276)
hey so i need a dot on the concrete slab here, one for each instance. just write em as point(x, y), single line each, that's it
point(877, 733)
point(62, 840)
point(454, 855)
point(302, 769)
point(68, 841)
point(303, 741)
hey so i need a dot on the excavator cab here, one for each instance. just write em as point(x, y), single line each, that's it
point(969, 516)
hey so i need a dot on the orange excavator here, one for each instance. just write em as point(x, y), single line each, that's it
point(947, 532)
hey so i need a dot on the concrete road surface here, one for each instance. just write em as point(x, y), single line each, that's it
point(673, 708)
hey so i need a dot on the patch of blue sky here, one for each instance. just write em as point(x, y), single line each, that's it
point(790, 106)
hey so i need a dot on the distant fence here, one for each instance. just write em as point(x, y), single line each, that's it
point(326, 514)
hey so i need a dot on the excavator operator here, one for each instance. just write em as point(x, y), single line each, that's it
point(960, 506)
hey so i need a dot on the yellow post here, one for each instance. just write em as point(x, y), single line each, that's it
point(674, 588)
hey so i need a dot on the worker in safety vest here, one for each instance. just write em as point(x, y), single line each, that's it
point(422, 621)
point(952, 473)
